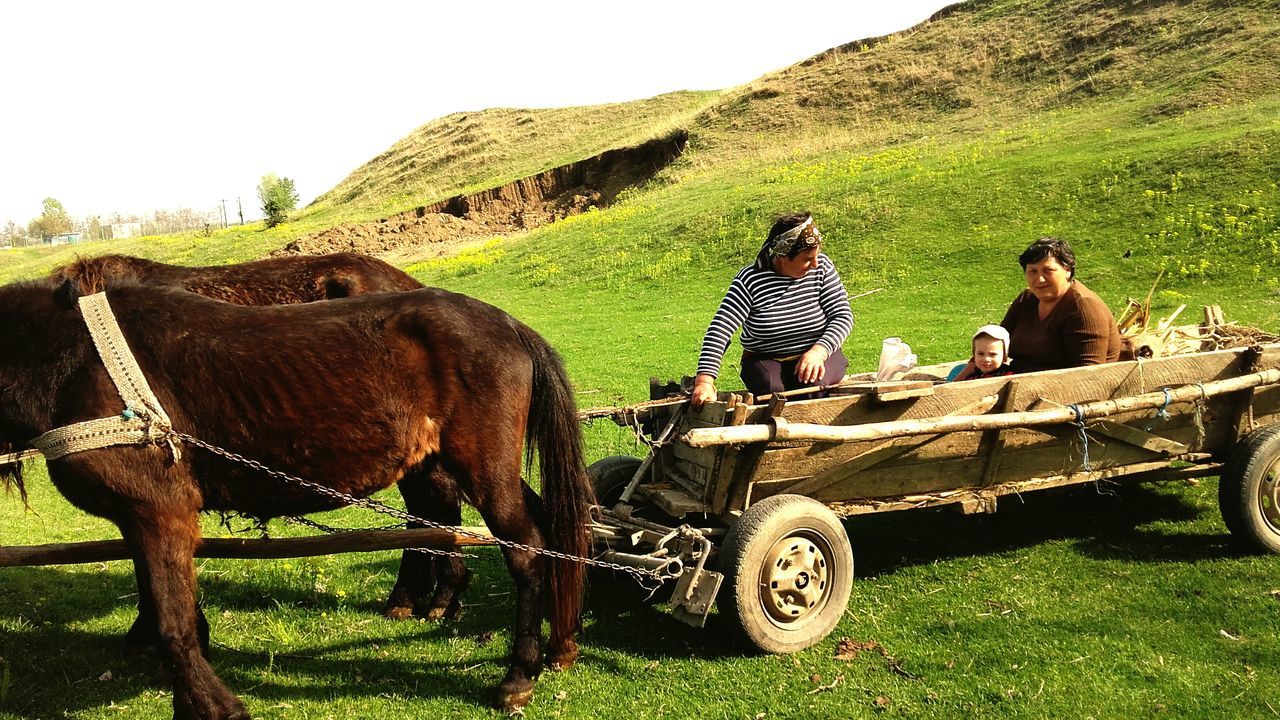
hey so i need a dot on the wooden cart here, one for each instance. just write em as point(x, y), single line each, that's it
point(740, 503)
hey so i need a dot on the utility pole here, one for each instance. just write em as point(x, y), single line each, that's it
point(240, 208)
point(224, 212)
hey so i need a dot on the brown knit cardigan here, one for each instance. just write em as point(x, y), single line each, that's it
point(1080, 330)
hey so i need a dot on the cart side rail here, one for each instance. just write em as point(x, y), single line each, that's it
point(990, 432)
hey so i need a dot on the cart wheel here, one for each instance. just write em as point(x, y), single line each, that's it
point(609, 477)
point(788, 573)
point(1249, 490)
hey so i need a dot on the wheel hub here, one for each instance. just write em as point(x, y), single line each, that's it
point(1269, 495)
point(795, 582)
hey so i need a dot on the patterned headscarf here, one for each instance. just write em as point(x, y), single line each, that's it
point(789, 243)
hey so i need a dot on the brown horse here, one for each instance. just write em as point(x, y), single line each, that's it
point(355, 393)
point(273, 281)
point(427, 586)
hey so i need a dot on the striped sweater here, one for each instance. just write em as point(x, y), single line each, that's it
point(779, 316)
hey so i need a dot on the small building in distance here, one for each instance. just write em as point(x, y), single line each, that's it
point(66, 238)
point(120, 231)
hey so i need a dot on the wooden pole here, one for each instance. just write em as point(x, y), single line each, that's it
point(780, 429)
point(254, 549)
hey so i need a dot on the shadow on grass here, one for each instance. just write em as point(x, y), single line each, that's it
point(621, 617)
point(56, 670)
point(1108, 523)
point(61, 666)
point(59, 672)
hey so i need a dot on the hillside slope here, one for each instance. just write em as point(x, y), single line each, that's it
point(466, 152)
point(1145, 132)
point(972, 66)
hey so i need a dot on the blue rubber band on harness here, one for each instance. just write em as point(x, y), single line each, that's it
point(1163, 412)
point(1084, 437)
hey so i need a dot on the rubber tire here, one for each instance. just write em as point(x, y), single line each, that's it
point(745, 555)
point(609, 477)
point(1253, 466)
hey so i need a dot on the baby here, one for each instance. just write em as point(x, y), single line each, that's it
point(990, 352)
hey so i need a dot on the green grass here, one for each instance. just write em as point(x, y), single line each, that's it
point(1145, 133)
point(1076, 604)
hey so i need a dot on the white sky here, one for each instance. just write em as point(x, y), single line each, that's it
point(132, 106)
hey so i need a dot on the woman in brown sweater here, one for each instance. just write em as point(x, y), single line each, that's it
point(1057, 322)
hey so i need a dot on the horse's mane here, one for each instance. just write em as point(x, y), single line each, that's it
point(91, 275)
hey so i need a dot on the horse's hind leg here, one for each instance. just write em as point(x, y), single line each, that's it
point(502, 504)
point(163, 544)
point(429, 585)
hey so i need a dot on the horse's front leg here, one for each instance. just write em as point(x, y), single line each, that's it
point(144, 634)
point(163, 542)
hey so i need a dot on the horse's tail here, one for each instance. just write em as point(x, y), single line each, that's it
point(566, 492)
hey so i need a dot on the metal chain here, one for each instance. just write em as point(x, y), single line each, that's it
point(371, 504)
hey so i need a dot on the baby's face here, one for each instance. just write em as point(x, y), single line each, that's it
point(988, 353)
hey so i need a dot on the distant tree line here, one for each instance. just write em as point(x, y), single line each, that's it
point(54, 221)
point(277, 194)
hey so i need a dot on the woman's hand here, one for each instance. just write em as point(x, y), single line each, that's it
point(812, 365)
point(704, 390)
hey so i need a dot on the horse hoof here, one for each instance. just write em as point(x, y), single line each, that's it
point(399, 612)
point(514, 700)
point(563, 658)
point(228, 708)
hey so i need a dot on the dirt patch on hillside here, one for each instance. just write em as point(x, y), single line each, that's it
point(521, 205)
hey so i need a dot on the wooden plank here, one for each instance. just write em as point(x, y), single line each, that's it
point(1070, 385)
point(1266, 406)
point(256, 548)
point(1147, 472)
point(879, 388)
point(733, 489)
point(1125, 433)
point(1137, 438)
point(672, 500)
point(888, 479)
point(702, 457)
point(875, 455)
point(905, 394)
point(800, 462)
point(948, 462)
point(812, 432)
point(1032, 455)
point(995, 439)
point(712, 414)
point(859, 463)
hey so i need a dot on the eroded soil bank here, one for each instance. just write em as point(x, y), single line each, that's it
point(521, 205)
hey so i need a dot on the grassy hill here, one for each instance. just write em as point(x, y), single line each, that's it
point(466, 152)
point(1147, 133)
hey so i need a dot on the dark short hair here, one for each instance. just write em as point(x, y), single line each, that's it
point(787, 222)
point(1045, 247)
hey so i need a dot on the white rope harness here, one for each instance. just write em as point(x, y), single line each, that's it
point(141, 422)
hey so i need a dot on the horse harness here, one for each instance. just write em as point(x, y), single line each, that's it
point(143, 420)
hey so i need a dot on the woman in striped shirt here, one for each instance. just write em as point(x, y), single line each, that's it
point(793, 311)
